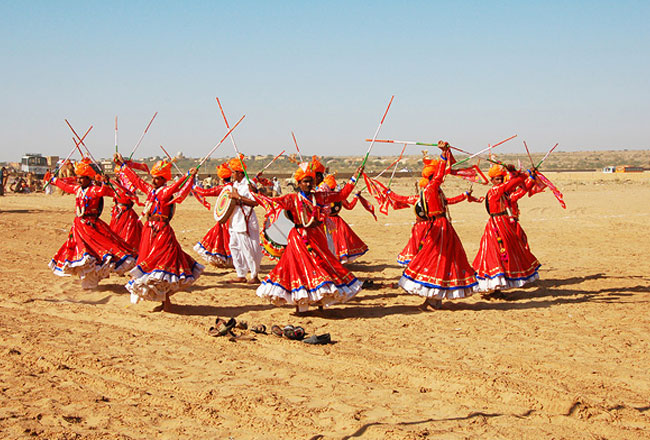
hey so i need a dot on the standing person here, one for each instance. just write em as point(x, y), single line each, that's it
point(348, 246)
point(439, 268)
point(3, 172)
point(277, 189)
point(504, 260)
point(214, 247)
point(92, 251)
point(162, 267)
point(308, 273)
point(244, 229)
point(125, 222)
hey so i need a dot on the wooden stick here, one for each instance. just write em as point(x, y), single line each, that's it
point(372, 143)
point(270, 163)
point(233, 142)
point(220, 142)
point(116, 134)
point(547, 154)
point(295, 142)
point(142, 136)
point(396, 164)
point(529, 156)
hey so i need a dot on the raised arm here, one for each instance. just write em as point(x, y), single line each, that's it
point(70, 188)
point(135, 180)
point(209, 192)
point(349, 205)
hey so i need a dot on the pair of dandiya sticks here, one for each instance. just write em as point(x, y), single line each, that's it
point(558, 195)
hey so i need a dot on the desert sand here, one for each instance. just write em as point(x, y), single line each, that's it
point(567, 357)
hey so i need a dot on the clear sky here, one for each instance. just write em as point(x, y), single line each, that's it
point(470, 72)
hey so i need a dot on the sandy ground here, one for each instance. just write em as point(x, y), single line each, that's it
point(565, 358)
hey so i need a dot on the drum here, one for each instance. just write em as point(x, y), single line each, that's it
point(224, 206)
point(275, 236)
point(420, 208)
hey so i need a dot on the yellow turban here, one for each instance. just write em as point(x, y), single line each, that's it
point(496, 170)
point(316, 165)
point(223, 171)
point(235, 163)
point(305, 169)
point(83, 168)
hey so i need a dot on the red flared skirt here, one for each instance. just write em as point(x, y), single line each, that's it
point(215, 246)
point(347, 244)
point(92, 251)
point(163, 267)
point(126, 225)
point(308, 273)
point(440, 269)
point(504, 260)
point(418, 231)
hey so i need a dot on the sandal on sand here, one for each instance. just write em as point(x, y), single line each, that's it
point(318, 339)
point(259, 328)
point(289, 332)
point(298, 333)
point(222, 327)
point(242, 325)
point(276, 330)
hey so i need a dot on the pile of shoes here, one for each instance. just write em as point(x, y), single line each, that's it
point(224, 327)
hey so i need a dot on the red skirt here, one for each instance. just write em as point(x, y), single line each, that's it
point(308, 273)
point(504, 260)
point(126, 225)
point(162, 267)
point(215, 246)
point(347, 244)
point(92, 252)
point(440, 269)
point(418, 231)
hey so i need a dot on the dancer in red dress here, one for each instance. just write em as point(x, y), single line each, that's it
point(125, 222)
point(438, 268)
point(162, 267)
point(92, 250)
point(347, 244)
point(531, 186)
point(308, 273)
point(215, 246)
point(504, 260)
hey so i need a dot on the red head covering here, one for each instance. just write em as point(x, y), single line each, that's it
point(305, 169)
point(330, 181)
point(430, 167)
point(83, 168)
point(235, 163)
point(316, 165)
point(163, 169)
point(223, 171)
point(497, 170)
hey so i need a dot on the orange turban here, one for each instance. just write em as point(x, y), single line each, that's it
point(497, 170)
point(430, 166)
point(235, 163)
point(223, 171)
point(163, 169)
point(83, 168)
point(316, 165)
point(305, 169)
point(330, 181)
point(423, 182)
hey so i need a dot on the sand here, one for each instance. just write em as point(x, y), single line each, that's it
point(565, 358)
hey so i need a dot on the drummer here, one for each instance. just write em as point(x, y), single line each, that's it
point(244, 229)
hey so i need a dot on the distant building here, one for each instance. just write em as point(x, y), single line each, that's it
point(623, 169)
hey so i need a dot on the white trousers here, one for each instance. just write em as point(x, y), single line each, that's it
point(246, 253)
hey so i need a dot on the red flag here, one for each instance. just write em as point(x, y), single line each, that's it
point(556, 192)
point(473, 174)
point(367, 205)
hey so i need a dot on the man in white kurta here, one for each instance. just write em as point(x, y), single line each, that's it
point(244, 232)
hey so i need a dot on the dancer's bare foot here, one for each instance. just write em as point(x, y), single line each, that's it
point(238, 280)
point(167, 304)
point(430, 304)
point(255, 280)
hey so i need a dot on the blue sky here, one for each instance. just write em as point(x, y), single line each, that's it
point(577, 73)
